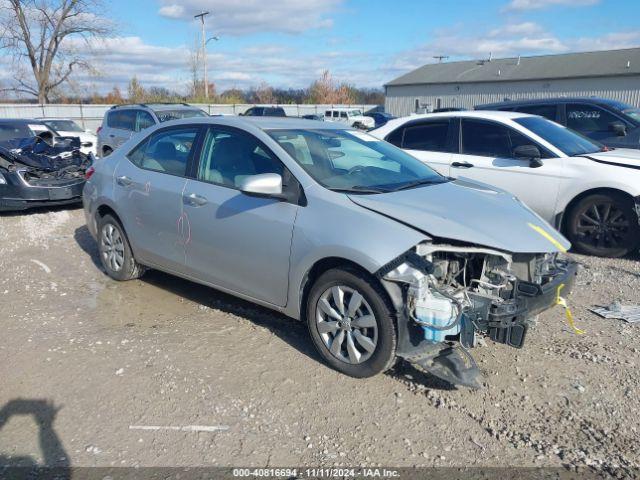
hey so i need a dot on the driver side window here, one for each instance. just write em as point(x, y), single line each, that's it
point(228, 157)
point(486, 139)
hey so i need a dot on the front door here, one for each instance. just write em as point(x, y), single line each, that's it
point(237, 241)
point(594, 122)
point(487, 156)
point(149, 184)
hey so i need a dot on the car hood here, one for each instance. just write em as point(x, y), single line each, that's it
point(620, 157)
point(468, 212)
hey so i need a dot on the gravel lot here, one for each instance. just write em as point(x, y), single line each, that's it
point(85, 362)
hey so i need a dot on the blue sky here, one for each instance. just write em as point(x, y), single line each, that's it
point(288, 43)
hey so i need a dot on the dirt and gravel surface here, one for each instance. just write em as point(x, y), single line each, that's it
point(92, 372)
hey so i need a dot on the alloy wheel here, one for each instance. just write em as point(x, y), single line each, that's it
point(112, 247)
point(347, 325)
point(603, 225)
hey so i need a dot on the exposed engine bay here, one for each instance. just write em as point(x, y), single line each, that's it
point(40, 159)
point(451, 294)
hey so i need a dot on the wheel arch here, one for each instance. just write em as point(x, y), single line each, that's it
point(323, 265)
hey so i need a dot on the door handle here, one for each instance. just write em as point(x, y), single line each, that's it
point(462, 165)
point(124, 181)
point(195, 200)
point(111, 135)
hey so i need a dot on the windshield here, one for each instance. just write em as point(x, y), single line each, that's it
point(347, 160)
point(633, 113)
point(568, 141)
point(63, 125)
point(167, 115)
point(355, 113)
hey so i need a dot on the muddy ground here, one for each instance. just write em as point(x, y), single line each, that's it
point(85, 362)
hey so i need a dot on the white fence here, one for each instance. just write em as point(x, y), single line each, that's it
point(90, 116)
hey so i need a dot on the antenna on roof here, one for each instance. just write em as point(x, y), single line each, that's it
point(518, 63)
point(440, 57)
point(490, 56)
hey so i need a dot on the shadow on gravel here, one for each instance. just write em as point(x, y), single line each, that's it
point(53, 453)
point(291, 331)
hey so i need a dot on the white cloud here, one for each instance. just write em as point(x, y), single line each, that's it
point(172, 11)
point(509, 40)
point(520, 5)
point(233, 17)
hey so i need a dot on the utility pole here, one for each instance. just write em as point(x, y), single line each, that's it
point(204, 53)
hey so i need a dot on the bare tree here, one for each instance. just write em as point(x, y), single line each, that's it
point(324, 90)
point(194, 64)
point(51, 38)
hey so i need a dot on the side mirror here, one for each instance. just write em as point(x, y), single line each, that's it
point(528, 152)
point(619, 128)
point(262, 185)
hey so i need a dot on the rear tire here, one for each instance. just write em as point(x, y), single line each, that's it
point(115, 252)
point(349, 307)
point(605, 225)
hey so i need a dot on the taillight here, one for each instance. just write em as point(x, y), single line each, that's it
point(89, 173)
point(98, 130)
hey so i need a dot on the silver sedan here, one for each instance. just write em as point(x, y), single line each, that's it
point(382, 257)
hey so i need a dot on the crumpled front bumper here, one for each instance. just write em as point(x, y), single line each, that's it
point(17, 194)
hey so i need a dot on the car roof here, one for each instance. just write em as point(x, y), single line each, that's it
point(535, 101)
point(156, 106)
point(486, 114)
point(20, 121)
point(263, 123)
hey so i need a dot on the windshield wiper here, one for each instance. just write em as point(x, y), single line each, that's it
point(417, 183)
point(359, 189)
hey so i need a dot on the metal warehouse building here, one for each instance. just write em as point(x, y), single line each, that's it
point(613, 74)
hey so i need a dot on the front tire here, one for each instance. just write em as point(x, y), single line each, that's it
point(351, 323)
point(605, 225)
point(115, 252)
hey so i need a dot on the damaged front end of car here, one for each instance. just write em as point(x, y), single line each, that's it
point(447, 295)
point(34, 173)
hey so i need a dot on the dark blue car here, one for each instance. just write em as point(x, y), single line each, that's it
point(380, 118)
point(610, 122)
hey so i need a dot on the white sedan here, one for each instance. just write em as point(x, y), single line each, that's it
point(589, 192)
point(68, 128)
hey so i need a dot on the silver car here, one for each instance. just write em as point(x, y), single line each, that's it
point(382, 257)
point(120, 122)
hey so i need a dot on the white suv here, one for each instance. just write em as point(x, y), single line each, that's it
point(588, 191)
point(353, 118)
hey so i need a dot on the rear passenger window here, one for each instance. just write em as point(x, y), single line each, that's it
point(429, 136)
point(144, 120)
point(166, 151)
point(395, 137)
point(546, 111)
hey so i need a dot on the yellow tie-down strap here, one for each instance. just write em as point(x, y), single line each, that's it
point(563, 303)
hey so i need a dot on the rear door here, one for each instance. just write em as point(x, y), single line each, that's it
point(486, 155)
point(148, 186)
point(431, 141)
